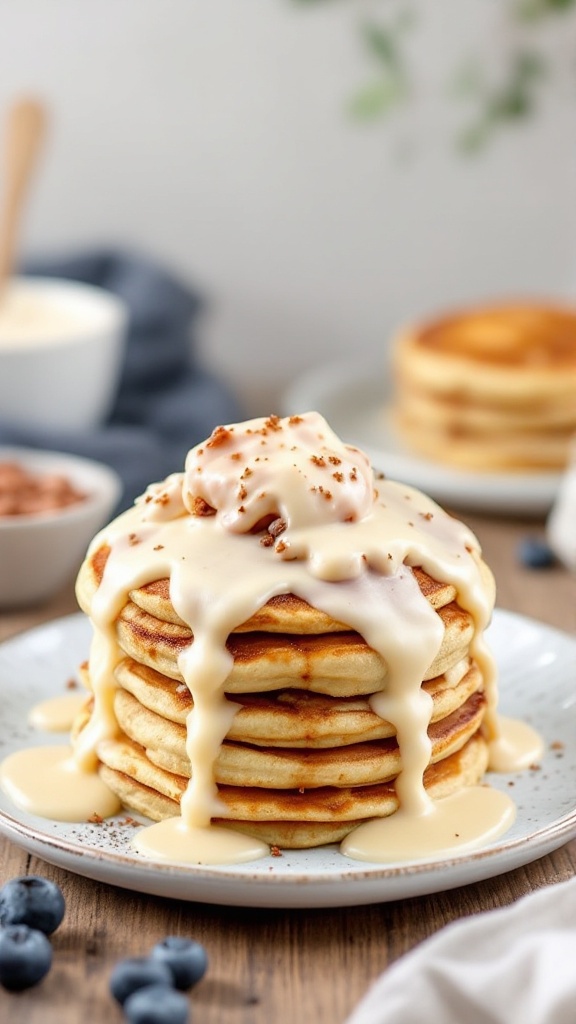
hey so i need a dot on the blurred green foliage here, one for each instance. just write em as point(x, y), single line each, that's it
point(488, 105)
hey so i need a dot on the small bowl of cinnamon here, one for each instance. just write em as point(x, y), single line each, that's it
point(51, 505)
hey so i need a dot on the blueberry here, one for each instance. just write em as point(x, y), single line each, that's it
point(156, 1004)
point(34, 901)
point(535, 553)
point(136, 972)
point(186, 959)
point(25, 957)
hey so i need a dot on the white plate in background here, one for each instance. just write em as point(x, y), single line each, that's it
point(36, 665)
point(355, 405)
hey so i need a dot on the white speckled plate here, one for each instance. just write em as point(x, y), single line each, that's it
point(537, 683)
point(355, 403)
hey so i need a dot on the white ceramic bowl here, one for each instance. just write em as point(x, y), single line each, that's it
point(40, 553)
point(62, 347)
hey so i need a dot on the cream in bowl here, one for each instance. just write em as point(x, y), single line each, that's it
point(61, 353)
point(50, 505)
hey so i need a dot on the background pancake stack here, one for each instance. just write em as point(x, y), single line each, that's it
point(305, 758)
point(492, 388)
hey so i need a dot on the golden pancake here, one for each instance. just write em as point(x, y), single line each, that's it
point(243, 764)
point(294, 717)
point(483, 451)
point(287, 819)
point(340, 664)
point(454, 414)
point(491, 388)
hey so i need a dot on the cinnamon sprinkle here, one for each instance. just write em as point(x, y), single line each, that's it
point(202, 508)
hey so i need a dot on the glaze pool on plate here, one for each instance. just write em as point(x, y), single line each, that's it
point(528, 653)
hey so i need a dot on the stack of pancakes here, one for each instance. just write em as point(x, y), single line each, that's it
point(305, 759)
point(492, 388)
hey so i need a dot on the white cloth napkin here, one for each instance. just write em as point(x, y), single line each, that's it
point(515, 965)
point(561, 524)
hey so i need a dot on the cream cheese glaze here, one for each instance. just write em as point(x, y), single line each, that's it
point(339, 539)
point(28, 317)
point(57, 714)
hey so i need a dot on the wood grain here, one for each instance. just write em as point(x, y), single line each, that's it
point(273, 965)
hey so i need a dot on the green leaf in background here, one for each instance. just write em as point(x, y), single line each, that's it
point(377, 99)
point(514, 100)
point(534, 10)
point(383, 43)
point(492, 107)
point(390, 88)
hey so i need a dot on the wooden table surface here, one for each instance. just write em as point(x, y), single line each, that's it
point(281, 966)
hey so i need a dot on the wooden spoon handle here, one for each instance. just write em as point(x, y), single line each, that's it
point(24, 133)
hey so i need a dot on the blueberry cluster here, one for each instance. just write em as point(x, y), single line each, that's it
point(150, 989)
point(31, 908)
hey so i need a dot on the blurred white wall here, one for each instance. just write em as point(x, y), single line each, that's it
point(213, 134)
